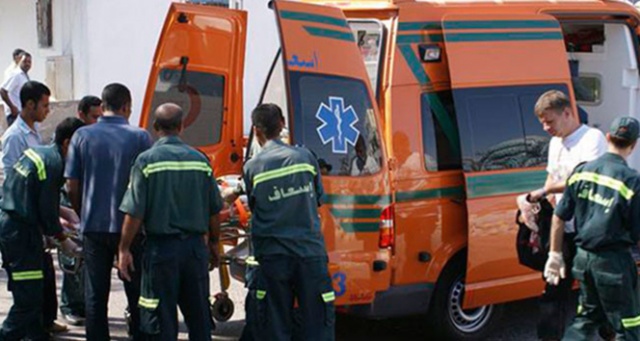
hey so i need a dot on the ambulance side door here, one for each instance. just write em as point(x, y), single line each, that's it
point(499, 66)
point(199, 65)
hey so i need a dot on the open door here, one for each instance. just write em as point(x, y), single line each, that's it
point(199, 65)
point(499, 66)
point(333, 113)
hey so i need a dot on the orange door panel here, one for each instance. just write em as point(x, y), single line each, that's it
point(497, 63)
point(198, 64)
point(329, 101)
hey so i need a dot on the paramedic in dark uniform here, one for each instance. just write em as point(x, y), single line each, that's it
point(604, 197)
point(30, 208)
point(174, 193)
point(284, 189)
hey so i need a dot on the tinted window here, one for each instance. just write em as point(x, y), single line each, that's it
point(440, 132)
point(201, 96)
point(334, 118)
point(498, 128)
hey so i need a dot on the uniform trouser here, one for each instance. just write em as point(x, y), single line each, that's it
point(72, 294)
point(100, 250)
point(50, 307)
point(554, 303)
point(175, 273)
point(282, 279)
point(608, 293)
point(22, 257)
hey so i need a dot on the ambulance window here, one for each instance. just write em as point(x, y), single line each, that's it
point(369, 35)
point(587, 88)
point(334, 118)
point(499, 129)
point(440, 132)
point(201, 96)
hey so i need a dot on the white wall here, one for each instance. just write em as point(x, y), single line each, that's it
point(262, 44)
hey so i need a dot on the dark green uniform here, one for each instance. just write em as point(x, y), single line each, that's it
point(604, 197)
point(173, 191)
point(30, 208)
point(284, 189)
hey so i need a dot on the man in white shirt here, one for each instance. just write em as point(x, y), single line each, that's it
point(15, 64)
point(572, 143)
point(10, 89)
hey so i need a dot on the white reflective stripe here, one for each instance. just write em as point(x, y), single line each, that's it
point(603, 180)
point(37, 161)
point(329, 297)
point(149, 303)
point(284, 171)
point(631, 322)
point(176, 166)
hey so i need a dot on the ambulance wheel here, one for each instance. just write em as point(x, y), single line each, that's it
point(446, 316)
point(222, 308)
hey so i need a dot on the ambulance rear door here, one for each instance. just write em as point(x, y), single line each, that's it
point(499, 66)
point(199, 65)
point(332, 112)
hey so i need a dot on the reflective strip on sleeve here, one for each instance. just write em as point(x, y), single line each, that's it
point(260, 294)
point(251, 261)
point(631, 322)
point(149, 303)
point(27, 275)
point(329, 297)
point(278, 173)
point(37, 160)
point(176, 166)
point(579, 310)
point(603, 180)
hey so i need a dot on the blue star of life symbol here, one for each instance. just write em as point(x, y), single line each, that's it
point(338, 125)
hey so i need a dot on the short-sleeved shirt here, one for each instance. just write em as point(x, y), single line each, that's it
point(31, 191)
point(13, 85)
point(15, 141)
point(584, 144)
point(100, 157)
point(604, 197)
point(172, 189)
point(284, 189)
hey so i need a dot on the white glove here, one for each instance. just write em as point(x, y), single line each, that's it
point(69, 248)
point(554, 269)
point(528, 211)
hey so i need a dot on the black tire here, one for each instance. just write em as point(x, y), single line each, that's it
point(447, 318)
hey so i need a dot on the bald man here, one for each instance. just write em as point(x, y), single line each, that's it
point(173, 193)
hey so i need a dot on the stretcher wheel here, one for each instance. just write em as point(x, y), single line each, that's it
point(222, 307)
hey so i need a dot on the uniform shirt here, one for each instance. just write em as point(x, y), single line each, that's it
point(604, 197)
point(31, 191)
point(13, 84)
point(284, 190)
point(584, 144)
point(15, 141)
point(172, 189)
point(100, 157)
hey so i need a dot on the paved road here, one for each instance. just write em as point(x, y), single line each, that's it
point(518, 322)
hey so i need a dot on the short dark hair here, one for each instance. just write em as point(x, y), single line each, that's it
point(268, 118)
point(26, 54)
point(620, 143)
point(17, 52)
point(33, 90)
point(115, 96)
point(66, 128)
point(87, 102)
point(168, 123)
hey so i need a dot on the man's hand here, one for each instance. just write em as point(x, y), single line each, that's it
point(125, 263)
point(554, 269)
point(70, 248)
point(537, 195)
point(214, 255)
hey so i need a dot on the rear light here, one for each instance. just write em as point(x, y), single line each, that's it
point(387, 231)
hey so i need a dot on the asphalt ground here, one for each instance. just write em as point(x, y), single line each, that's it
point(517, 323)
